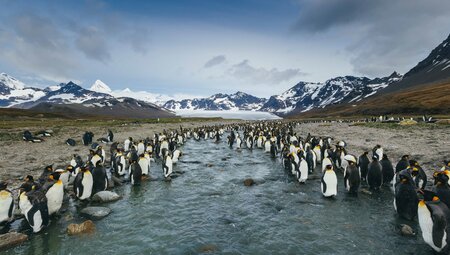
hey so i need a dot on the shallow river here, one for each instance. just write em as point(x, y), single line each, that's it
point(208, 209)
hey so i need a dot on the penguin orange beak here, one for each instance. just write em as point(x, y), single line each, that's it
point(421, 203)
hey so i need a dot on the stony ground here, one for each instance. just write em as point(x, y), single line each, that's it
point(427, 144)
point(20, 158)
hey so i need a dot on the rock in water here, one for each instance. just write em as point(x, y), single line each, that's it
point(208, 248)
point(95, 212)
point(87, 227)
point(406, 230)
point(11, 239)
point(249, 182)
point(105, 196)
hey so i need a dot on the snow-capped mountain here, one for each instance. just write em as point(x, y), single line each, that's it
point(306, 95)
point(65, 93)
point(145, 96)
point(14, 92)
point(236, 101)
point(100, 87)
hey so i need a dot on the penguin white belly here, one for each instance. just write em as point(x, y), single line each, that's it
point(24, 204)
point(238, 143)
point(176, 155)
point(426, 225)
point(6, 200)
point(140, 149)
point(314, 159)
point(326, 162)
point(303, 171)
point(37, 219)
point(121, 167)
point(267, 146)
point(87, 183)
point(330, 180)
point(143, 163)
point(259, 142)
point(318, 155)
point(169, 166)
point(55, 197)
point(95, 159)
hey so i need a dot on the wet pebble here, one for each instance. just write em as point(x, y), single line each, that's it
point(11, 239)
point(406, 230)
point(249, 182)
point(95, 212)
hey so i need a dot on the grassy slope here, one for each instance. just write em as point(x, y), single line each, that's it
point(424, 99)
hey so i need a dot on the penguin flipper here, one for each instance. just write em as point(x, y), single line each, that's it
point(11, 209)
point(438, 229)
point(324, 185)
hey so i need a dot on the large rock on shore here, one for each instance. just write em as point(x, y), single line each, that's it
point(95, 212)
point(105, 196)
point(87, 227)
point(11, 239)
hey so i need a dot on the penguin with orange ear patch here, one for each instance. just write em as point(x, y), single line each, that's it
point(441, 188)
point(55, 193)
point(6, 204)
point(434, 221)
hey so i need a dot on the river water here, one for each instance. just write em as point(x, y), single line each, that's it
point(208, 209)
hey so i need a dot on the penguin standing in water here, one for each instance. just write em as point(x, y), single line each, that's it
point(6, 204)
point(176, 155)
point(329, 182)
point(100, 178)
point(434, 222)
point(363, 164)
point(310, 160)
point(402, 164)
point(387, 169)
point(144, 164)
point(352, 178)
point(135, 173)
point(405, 200)
point(273, 150)
point(238, 142)
point(167, 166)
point(302, 173)
point(55, 193)
point(83, 183)
point(121, 164)
point(33, 204)
point(374, 174)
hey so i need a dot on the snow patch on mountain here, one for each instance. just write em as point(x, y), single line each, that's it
point(101, 87)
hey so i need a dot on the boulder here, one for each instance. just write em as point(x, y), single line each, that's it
point(95, 212)
point(105, 196)
point(249, 182)
point(11, 239)
point(407, 122)
point(87, 227)
point(406, 230)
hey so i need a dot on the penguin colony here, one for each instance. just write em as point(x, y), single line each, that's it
point(301, 157)
point(130, 162)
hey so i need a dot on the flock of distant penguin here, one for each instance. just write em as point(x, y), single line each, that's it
point(130, 161)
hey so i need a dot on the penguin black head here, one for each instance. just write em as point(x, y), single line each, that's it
point(385, 156)
point(26, 187)
point(29, 178)
point(440, 177)
point(329, 167)
point(3, 185)
point(375, 157)
point(413, 162)
point(405, 157)
point(427, 195)
point(49, 168)
point(69, 168)
point(55, 176)
point(414, 171)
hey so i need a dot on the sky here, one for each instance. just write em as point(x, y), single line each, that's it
point(187, 48)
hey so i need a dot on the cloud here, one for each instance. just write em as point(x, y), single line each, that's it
point(92, 43)
point(380, 36)
point(35, 44)
point(217, 60)
point(244, 71)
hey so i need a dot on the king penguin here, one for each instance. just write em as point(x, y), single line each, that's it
point(83, 184)
point(33, 204)
point(100, 178)
point(55, 193)
point(352, 178)
point(329, 182)
point(435, 223)
point(405, 200)
point(374, 174)
point(6, 204)
point(363, 164)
